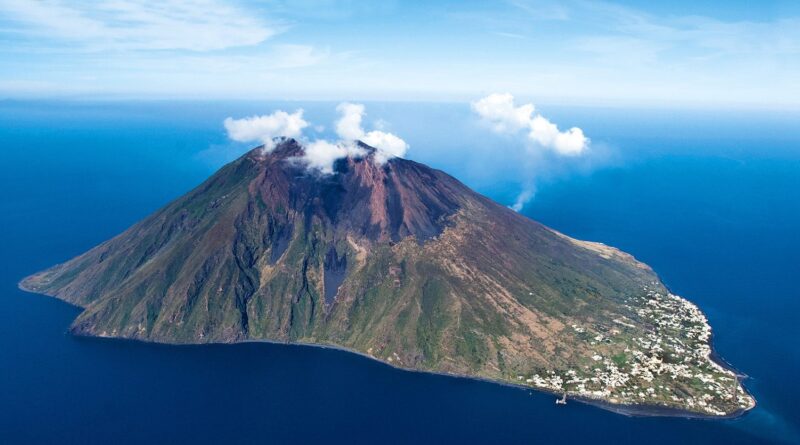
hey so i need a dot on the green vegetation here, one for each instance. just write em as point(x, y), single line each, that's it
point(437, 278)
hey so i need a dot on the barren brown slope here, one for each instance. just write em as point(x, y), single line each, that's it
point(398, 261)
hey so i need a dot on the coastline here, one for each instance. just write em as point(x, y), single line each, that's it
point(643, 410)
point(623, 409)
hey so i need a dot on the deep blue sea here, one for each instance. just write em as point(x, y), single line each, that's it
point(710, 199)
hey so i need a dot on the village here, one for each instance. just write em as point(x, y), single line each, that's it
point(669, 365)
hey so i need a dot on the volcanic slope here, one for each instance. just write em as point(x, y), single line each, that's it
point(403, 263)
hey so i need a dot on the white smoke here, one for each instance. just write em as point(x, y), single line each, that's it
point(388, 145)
point(524, 197)
point(504, 117)
point(539, 135)
point(321, 155)
point(348, 127)
point(266, 128)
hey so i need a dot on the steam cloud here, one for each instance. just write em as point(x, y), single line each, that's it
point(523, 198)
point(319, 155)
point(266, 128)
point(499, 111)
point(348, 127)
point(504, 117)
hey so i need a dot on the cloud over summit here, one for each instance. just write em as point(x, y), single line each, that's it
point(348, 127)
point(266, 128)
point(319, 155)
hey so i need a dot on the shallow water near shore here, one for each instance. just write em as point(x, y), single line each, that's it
point(709, 200)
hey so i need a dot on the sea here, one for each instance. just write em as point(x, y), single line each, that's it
point(710, 198)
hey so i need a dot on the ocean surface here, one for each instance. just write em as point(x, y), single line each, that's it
point(710, 199)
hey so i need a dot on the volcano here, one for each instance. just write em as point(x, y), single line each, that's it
point(402, 263)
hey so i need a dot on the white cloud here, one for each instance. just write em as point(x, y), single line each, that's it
point(267, 127)
point(499, 111)
point(588, 51)
point(504, 117)
point(349, 128)
point(321, 155)
point(568, 143)
point(195, 25)
point(389, 146)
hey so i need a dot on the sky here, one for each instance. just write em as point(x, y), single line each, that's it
point(718, 54)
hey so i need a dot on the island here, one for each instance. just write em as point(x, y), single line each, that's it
point(405, 264)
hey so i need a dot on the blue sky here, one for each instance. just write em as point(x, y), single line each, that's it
point(730, 53)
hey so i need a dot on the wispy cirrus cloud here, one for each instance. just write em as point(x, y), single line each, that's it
point(193, 25)
point(555, 50)
point(608, 27)
point(145, 48)
point(274, 57)
point(644, 51)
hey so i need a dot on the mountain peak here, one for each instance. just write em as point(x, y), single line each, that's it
point(284, 148)
point(288, 148)
point(383, 202)
point(403, 263)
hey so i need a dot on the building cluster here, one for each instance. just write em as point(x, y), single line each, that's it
point(660, 355)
